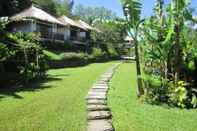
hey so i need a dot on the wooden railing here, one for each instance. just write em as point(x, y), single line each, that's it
point(52, 36)
point(60, 37)
point(72, 38)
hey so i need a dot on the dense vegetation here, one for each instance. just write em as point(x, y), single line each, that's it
point(54, 7)
point(167, 50)
point(131, 114)
point(21, 57)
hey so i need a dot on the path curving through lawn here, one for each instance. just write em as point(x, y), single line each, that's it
point(55, 104)
point(99, 115)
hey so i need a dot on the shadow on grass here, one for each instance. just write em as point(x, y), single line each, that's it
point(31, 87)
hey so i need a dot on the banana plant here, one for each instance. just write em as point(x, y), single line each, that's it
point(132, 11)
point(177, 12)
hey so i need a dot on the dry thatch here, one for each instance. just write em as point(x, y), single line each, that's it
point(35, 13)
point(87, 26)
point(71, 22)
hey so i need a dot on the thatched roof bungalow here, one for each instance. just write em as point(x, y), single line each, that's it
point(79, 30)
point(34, 19)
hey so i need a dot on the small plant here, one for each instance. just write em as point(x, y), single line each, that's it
point(178, 94)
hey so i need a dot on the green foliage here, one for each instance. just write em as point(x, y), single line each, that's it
point(4, 52)
point(56, 7)
point(97, 53)
point(169, 55)
point(130, 114)
point(22, 56)
point(91, 14)
point(132, 12)
point(10, 7)
point(72, 56)
point(178, 94)
point(111, 38)
point(49, 55)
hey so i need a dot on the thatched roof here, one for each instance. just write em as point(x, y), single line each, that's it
point(66, 20)
point(35, 13)
point(84, 24)
point(87, 26)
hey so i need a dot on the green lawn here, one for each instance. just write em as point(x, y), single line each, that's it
point(58, 104)
point(131, 115)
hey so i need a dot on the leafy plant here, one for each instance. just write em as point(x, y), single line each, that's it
point(132, 11)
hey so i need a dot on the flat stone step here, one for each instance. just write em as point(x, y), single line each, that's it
point(107, 75)
point(96, 93)
point(96, 97)
point(97, 115)
point(97, 108)
point(101, 84)
point(96, 102)
point(103, 81)
point(100, 125)
point(99, 90)
point(100, 87)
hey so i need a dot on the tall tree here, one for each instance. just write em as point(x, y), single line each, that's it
point(48, 5)
point(89, 14)
point(10, 7)
point(178, 9)
point(64, 7)
point(132, 11)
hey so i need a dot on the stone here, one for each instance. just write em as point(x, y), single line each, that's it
point(104, 80)
point(99, 90)
point(96, 102)
point(100, 125)
point(100, 84)
point(100, 87)
point(97, 97)
point(99, 115)
point(96, 115)
point(97, 108)
point(96, 93)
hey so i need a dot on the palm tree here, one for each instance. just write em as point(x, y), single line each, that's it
point(132, 11)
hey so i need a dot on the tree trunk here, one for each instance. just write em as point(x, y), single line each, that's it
point(177, 54)
point(139, 79)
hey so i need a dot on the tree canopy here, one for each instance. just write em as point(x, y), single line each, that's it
point(89, 14)
point(10, 7)
point(56, 7)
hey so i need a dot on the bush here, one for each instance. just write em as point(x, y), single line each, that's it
point(51, 55)
point(112, 53)
point(155, 90)
point(24, 58)
point(72, 56)
point(98, 54)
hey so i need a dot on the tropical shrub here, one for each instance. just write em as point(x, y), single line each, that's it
point(168, 53)
point(98, 54)
point(22, 58)
point(72, 56)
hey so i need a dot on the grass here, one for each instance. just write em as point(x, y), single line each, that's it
point(129, 114)
point(58, 104)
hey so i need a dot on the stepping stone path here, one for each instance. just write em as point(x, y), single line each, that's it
point(99, 115)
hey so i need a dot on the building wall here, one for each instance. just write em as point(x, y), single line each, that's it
point(67, 34)
point(25, 27)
